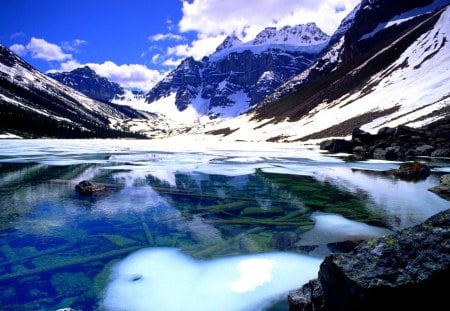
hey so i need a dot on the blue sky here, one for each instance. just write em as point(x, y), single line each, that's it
point(136, 42)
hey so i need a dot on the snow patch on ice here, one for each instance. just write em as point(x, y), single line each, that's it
point(329, 228)
point(165, 279)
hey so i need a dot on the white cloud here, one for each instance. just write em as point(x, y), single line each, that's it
point(127, 75)
point(169, 23)
point(41, 49)
point(214, 17)
point(171, 62)
point(166, 36)
point(198, 48)
point(156, 58)
point(212, 20)
point(72, 46)
point(17, 35)
point(19, 49)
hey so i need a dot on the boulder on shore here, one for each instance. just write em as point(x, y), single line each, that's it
point(409, 269)
point(443, 190)
point(89, 188)
point(337, 146)
point(396, 144)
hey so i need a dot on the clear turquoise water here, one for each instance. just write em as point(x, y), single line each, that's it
point(57, 247)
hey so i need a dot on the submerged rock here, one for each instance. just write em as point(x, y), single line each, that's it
point(412, 171)
point(89, 188)
point(411, 268)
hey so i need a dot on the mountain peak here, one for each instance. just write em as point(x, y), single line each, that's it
point(229, 42)
point(303, 34)
point(87, 81)
point(85, 71)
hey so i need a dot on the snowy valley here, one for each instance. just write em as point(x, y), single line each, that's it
point(288, 84)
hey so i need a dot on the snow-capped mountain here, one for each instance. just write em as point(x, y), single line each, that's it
point(87, 81)
point(387, 64)
point(239, 75)
point(395, 72)
point(32, 103)
point(350, 40)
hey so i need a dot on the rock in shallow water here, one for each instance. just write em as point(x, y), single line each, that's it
point(410, 268)
point(89, 188)
point(412, 171)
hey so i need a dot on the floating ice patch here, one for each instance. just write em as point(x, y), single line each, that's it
point(165, 279)
point(245, 159)
point(331, 228)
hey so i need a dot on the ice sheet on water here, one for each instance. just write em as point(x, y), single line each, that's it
point(330, 228)
point(162, 279)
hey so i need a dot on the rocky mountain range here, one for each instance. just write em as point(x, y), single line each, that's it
point(239, 75)
point(87, 81)
point(34, 105)
point(386, 70)
point(386, 65)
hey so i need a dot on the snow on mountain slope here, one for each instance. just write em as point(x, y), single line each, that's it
point(306, 38)
point(367, 19)
point(239, 75)
point(29, 97)
point(413, 90)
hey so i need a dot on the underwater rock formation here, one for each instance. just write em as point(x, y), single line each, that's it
point(86, 187)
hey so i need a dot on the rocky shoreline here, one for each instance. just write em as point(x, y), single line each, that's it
point(408, 269)
point(395, 144)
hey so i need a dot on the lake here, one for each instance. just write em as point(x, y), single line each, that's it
point(186, 225)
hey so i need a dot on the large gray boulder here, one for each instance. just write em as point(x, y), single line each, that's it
point(405, 271)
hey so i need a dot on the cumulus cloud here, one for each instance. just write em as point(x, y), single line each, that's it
point(166, 36)
point(41, 49)
point(19, 49)
point(212, 20)
point(127, 75)
point(172, 62)
point(214, 17)
point(197, 48)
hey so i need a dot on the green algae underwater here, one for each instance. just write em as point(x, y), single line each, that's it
point(58, 248)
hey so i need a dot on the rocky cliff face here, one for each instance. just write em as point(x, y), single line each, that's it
point(409, 270)
point(370, 24)
point(239, 75)
point(86, 81)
